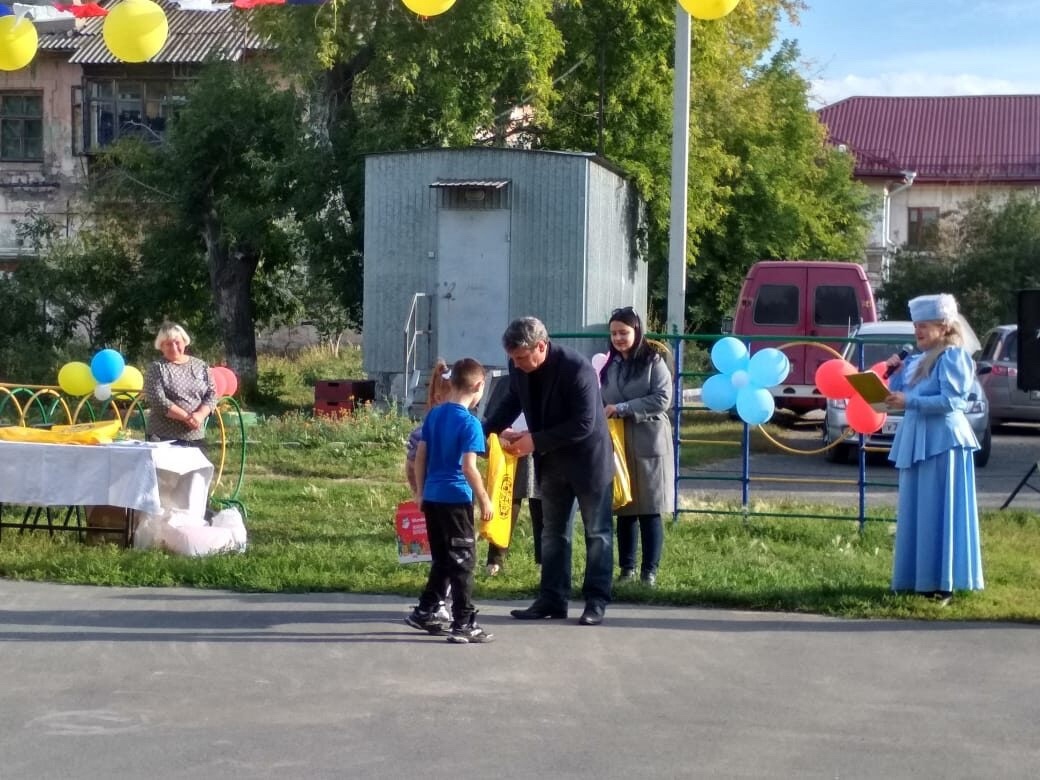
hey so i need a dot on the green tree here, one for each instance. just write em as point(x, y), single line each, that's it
point(987, 252)
point(763, 183)
point(787, 194)
point(376, 77)
point(219, 189)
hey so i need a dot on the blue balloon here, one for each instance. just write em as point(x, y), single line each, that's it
point(5, 10)
point(755, 405)
point(768, 367)
point(718, 393)
point(729, 355)
point(107, 366)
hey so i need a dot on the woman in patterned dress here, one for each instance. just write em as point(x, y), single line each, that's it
point(179, 390)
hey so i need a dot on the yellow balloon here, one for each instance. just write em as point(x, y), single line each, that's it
point(76, 379)
point(708, 9)
point(18, 41)
point(130, 381)
point(135, 30)
point(428, 7)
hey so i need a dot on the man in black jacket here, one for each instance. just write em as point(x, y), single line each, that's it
point(558, 391)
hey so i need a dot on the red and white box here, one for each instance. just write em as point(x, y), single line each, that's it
point(413, 543)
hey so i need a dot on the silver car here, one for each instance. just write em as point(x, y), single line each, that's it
point(879, 340)
point(998, 373)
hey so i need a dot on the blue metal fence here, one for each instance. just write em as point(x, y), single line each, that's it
point(746, 476)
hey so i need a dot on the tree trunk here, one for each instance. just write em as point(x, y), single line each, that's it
point(231, 274)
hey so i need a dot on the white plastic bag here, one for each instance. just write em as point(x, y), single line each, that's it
point(231, 519)
point(149, 531)
point(197, 540)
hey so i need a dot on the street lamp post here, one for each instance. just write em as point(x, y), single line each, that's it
point(684, 9)
point(680, 175)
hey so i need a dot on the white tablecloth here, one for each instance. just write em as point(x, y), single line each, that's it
point(137, 475)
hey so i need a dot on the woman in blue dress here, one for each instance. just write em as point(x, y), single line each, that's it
point(937, 549)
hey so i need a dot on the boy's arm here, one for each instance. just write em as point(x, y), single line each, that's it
point(420, 471)
point(472, 475)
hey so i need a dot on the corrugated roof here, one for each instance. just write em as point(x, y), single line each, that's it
point(968, 138)
point(491, 184)
point(195, 37)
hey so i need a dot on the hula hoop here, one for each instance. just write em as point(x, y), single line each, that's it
point(845, 437)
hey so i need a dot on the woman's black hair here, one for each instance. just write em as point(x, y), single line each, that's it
point(642, 353)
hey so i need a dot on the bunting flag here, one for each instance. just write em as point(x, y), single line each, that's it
point(81, 11)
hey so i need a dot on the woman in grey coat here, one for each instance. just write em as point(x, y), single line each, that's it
point(637, 387)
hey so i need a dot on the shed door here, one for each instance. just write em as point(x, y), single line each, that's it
point(473, 284)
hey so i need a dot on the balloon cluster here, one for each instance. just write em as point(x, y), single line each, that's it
point(744, 380)
point(133, 30)
point(831, 381)
point(106, 374)
point(224, 380)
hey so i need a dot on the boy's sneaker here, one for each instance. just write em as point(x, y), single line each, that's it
point(442, 613)
point(470, 633)
point(426, 621)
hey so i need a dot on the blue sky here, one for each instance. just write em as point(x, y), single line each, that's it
point(918, 47)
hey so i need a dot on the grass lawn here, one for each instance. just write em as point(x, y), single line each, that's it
point(321, 497)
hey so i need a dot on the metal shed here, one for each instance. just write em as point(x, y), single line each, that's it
point(458, 242)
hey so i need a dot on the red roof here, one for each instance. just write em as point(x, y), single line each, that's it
point(993, 138)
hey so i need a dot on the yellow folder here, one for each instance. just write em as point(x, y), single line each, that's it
point(870, 388)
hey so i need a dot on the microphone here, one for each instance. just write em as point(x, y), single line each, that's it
point(902, 355)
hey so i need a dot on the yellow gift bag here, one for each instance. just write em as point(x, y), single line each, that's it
point(622, 482)
point(501, 472)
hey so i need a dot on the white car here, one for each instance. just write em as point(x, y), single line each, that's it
point(879, 340)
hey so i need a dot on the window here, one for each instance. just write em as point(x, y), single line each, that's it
point(118, 109)
point(21, 126)
point(989, 349)
point(835, 305)
point(1011, 348)
point(777, 304)
point(922, 230)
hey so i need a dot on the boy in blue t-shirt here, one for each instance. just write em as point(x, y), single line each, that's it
point(447, 479)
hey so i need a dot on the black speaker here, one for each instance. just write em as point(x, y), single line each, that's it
point(1028, 340)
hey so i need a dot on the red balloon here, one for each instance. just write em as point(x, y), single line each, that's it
point(830, 378)
point(218, 380)
point(228, 382)
point(861, 418)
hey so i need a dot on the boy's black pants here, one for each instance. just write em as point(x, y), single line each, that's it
point(453, 548)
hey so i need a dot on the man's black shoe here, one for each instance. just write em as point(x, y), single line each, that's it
point(538, 612)
point(593, 614)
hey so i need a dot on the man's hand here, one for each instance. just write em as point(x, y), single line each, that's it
point(520, 446)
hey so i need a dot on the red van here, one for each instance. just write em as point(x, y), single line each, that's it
point(796, 299)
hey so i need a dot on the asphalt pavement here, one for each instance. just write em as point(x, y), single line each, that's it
point(181, 683)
